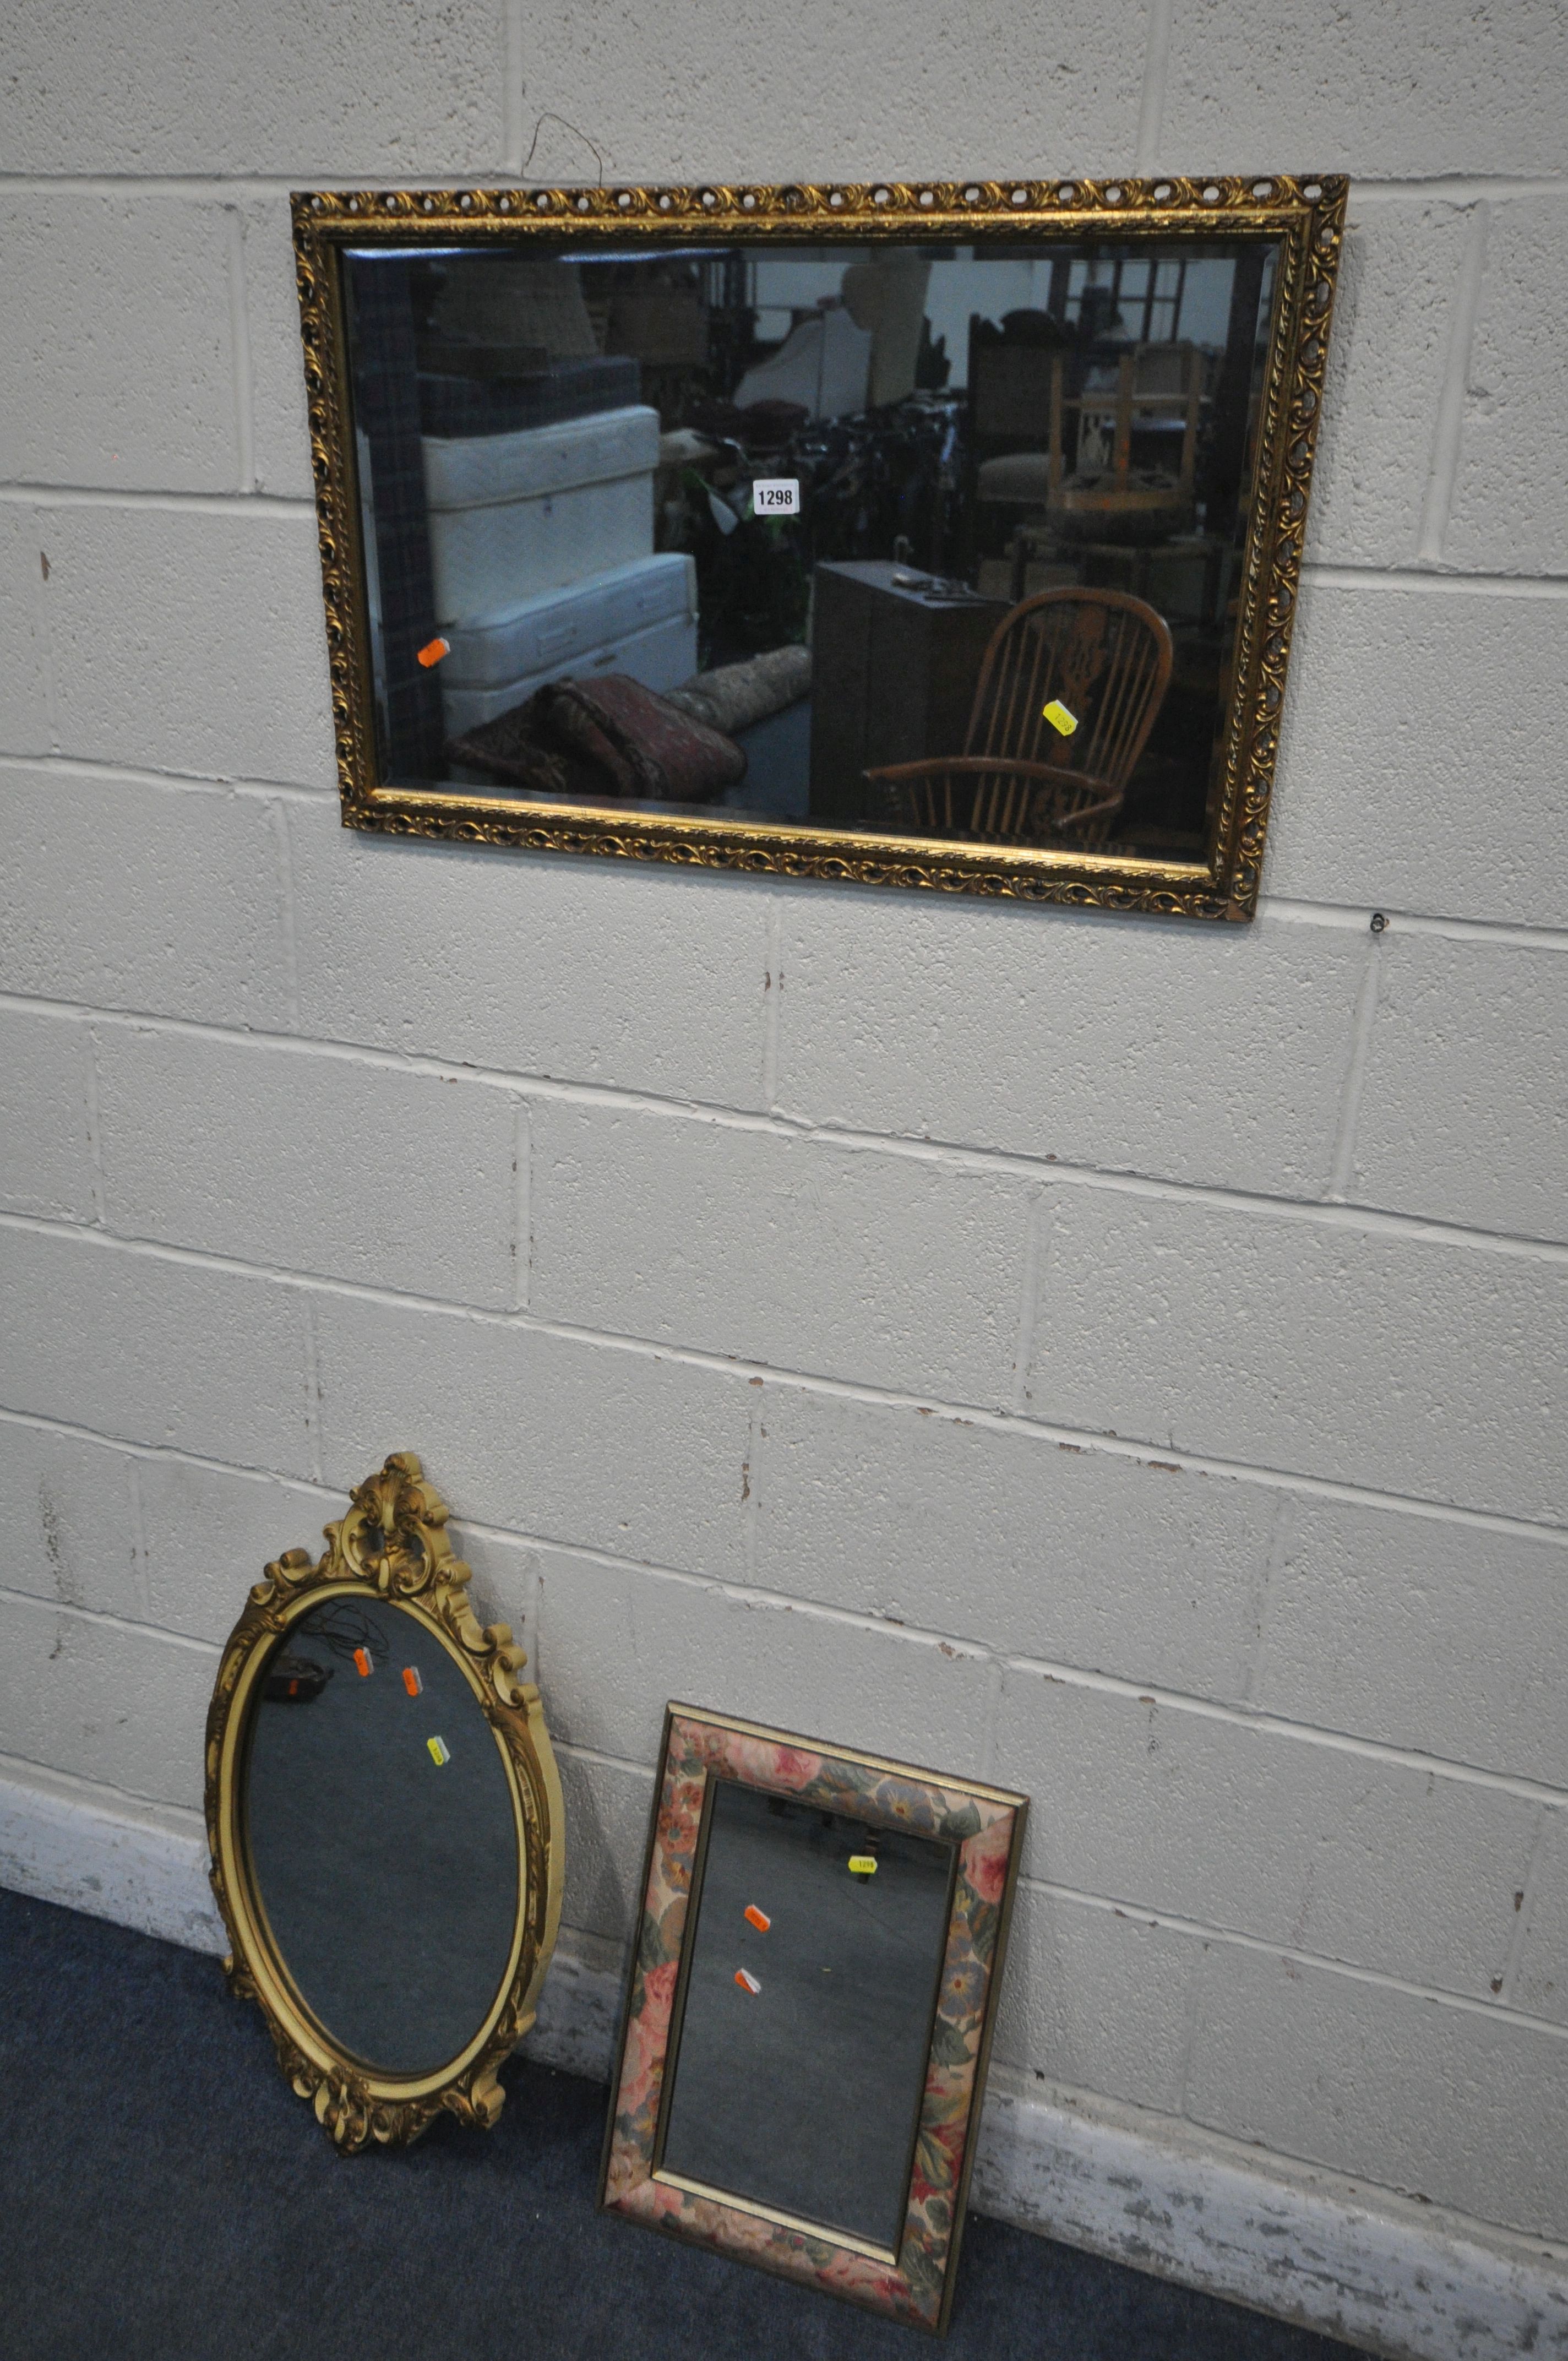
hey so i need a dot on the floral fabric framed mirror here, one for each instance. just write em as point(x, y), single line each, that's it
point(940, 535)
point(385, 1822)
point(813, 1989)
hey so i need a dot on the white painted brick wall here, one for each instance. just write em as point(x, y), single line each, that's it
point(886, 1269)
point(1393, 89)
point(1509, 510)
point(1124, 1056)
point(132, 385)
point(1321, 1348)
point(1399, 286)
point(189, 640)
point(1465, 1099)
point(1009, 1538)
point(531, 968)
point(317, 1163)
point(1420, 763)
point(180, 911)
point(46, 1161)
point(1117, 1356)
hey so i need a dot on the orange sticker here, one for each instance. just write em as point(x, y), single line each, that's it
point(362, 1658)
point(756, 1918)
point(433, 651)
point(747, 1980)
point(412, 1680)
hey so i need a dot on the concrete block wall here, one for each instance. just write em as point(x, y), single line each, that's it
point(1117, 1358)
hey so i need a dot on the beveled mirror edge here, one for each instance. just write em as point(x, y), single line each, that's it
point(1304, 212)
point(745, 2229)
point(393, 1542)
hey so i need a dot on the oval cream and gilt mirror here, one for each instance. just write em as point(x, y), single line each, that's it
point(385, 1821)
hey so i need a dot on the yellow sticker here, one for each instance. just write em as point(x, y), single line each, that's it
point(862, 1864)
point(438, 1752)
point(1059, 717)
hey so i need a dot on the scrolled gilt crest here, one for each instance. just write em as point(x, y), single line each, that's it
point(392, 1542)
point(1304, 211)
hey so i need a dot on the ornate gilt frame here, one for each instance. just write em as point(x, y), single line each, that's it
point(914, 2282)
point(1306, 214)
point(392, 1542)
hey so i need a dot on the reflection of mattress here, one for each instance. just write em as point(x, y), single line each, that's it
point(639, 618)
point(512, 514)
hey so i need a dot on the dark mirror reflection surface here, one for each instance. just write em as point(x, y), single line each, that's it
point(731, 528)
point(803, 2094)
point(389, 1878)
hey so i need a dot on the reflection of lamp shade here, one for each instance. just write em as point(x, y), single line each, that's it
point(507, 298)
point(822, 364)
point(887, 295)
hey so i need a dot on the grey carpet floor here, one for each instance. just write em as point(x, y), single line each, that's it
point(164, 2197)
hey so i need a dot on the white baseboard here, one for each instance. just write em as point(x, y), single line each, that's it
point(1308, 2247)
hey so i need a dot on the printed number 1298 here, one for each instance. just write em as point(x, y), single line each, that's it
point(775, 496)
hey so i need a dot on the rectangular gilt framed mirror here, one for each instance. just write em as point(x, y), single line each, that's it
point(940, 536)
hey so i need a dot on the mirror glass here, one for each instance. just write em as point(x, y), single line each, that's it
point(929, 539)
point(381, 1835)
point(800, 2059)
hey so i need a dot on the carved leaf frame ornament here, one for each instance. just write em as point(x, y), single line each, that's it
point(1304, 212)
point(392, 1542)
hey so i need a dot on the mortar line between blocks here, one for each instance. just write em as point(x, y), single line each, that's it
point(751, 1480)
point(158, 1631)
point(1342, 1165)
point(239, 353)
point(1263, 1591)
point(1292, 909)
point(522, 1202)
point(142, 1563)
point(772, 989)
point(596, 1754)
point(738, 1591)
point(514, 89)
point(950, 1156)
point(1496, 933)
point(278, 821)
point(1430, 575)
point(1238, 1939)
point(40, 606)
point(202, 187)
point(116, 774)
point(1048, 1433)
point(1034, 1216)
point(312, 1386)
point(88, 1050)
point(1196, 1962)
point(106, 496)
point(1151, 102)
point(1450, 432)
point(1509, 1979)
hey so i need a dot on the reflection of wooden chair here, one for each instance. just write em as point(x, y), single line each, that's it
point(1102, 655)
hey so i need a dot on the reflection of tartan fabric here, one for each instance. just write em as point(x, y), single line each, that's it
point(385, 408)
point(459, 406)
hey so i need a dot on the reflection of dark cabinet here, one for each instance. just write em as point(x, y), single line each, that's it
point(892, 677)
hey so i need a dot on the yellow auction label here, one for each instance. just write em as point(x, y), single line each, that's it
point(1057, 714)
point(862, 1864)
point(438, 1752)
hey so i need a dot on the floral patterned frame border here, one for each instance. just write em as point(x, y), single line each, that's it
point(988, 1824)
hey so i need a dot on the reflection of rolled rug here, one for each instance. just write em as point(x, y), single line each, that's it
point(736, 695)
